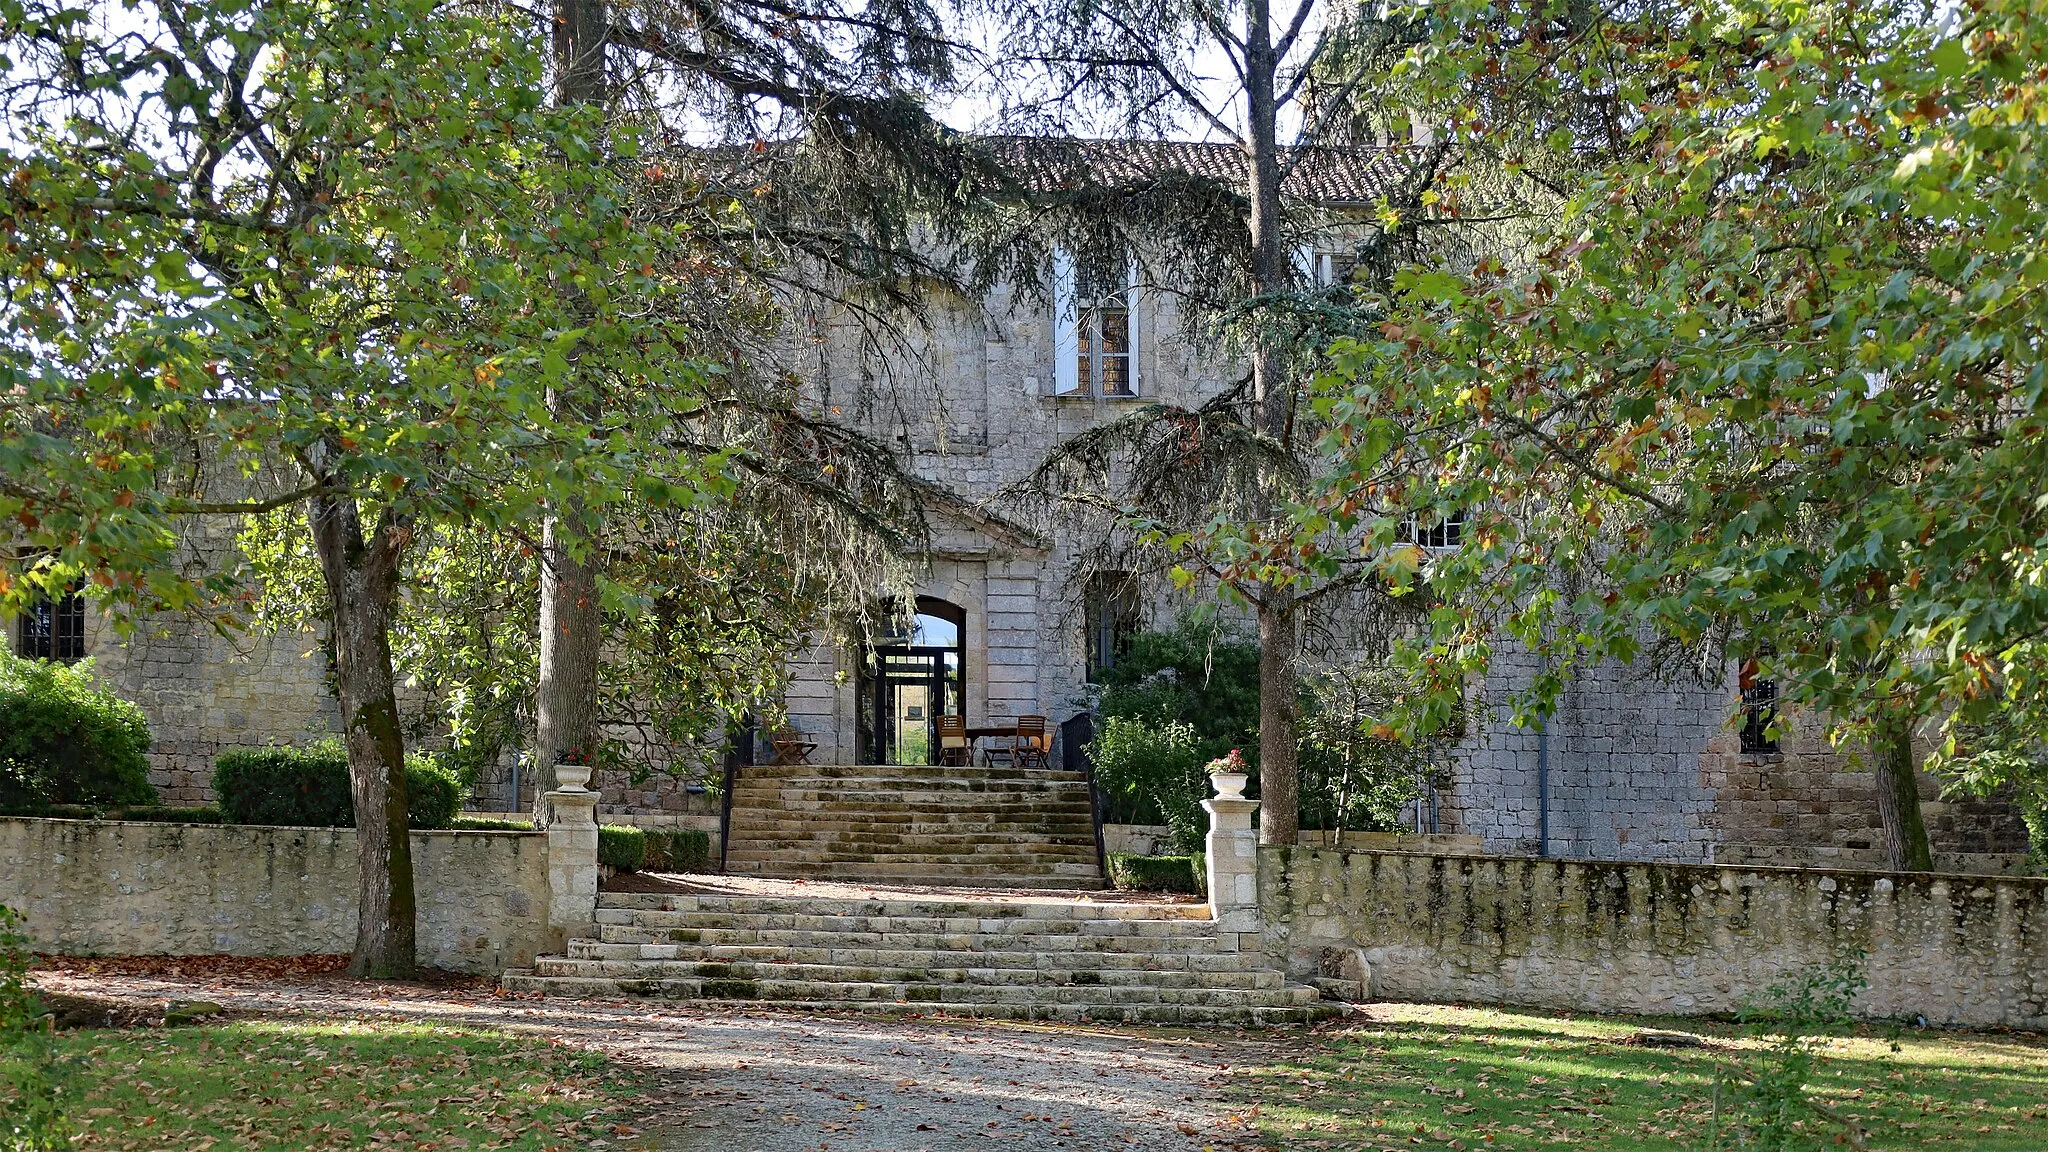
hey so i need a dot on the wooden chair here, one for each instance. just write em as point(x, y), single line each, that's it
point(955, 749)
point(790, 747)
point(1033, 747)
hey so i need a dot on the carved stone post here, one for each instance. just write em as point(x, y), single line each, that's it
point(1233, 856)
point(572, 854)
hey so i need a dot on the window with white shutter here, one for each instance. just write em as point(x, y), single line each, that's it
point(1095, 330)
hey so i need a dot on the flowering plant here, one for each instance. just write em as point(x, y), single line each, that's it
point(1233, 762)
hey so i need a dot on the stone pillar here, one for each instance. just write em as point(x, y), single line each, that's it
point(572, 855)
point(1233, 856)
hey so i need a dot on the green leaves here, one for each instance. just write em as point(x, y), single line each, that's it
point(365, 280)
point(1770, 385)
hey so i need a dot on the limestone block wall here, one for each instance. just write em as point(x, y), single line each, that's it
point(1661, 937)
point(1814, 804)
point(1624, 778)
point(105, 888)
point(205, 692)
point(1649, 767)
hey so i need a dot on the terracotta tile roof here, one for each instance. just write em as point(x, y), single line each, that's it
point(1324, 175)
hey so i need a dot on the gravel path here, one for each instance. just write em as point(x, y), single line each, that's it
point(747, 1080)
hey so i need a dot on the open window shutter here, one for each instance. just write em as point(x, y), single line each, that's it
point(1305, 264)
point(1131, 299)
point(1066, 341)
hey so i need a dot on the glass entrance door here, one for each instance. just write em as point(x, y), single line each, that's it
point(913, 688)
point(910, 679)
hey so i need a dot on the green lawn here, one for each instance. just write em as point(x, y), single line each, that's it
point(1433, 1077)
point(294, 1084)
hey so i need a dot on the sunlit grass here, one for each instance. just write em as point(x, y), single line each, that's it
point(1419, 1077)
point(294, 1084)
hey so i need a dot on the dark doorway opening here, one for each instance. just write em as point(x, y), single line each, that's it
point(909, 679)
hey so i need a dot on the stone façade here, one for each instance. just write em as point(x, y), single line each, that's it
point(1638, 767)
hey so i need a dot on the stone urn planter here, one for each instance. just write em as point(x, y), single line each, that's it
point(1228, 775)
point(572, 777)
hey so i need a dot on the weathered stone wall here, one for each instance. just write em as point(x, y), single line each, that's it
point(1661, 938)
point(101, 888)
point(1624, 778)
point(205, 690)
point(1643, 767)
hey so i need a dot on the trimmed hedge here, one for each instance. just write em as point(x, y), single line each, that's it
point(165, 814)
point(685, 850)
point(145, 813)
point(309, 787)
point(487, 824)
point(65, 739)
point(1185, 874)
point(621, 847)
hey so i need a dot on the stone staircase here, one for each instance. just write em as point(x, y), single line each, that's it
point(982, 827)
point(1040, 958)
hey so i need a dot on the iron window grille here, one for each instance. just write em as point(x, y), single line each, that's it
point(1759, 714)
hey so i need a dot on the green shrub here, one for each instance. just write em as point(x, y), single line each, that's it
point(1199, 672)
point(1136, 873)
point(679, 850)
point(433, 796)
point(689, 850)
point(1146, 767)
point(165, 814)
point(56, 811)
point(66, 739)
point(32, 1080)
point(621, 847)
point(306, 787)
point(309, 787)
point(485, 824)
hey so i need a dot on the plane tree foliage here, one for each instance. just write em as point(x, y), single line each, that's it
point(329, 257)
point(1768, 388)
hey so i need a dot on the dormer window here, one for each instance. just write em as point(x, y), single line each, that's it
point(1094, 329)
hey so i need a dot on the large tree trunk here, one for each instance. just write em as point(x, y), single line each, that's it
point(1279, 633)
point(361, 578)
point(1898, 801)
point(1279, 703)
point(572, 634)
point(571, 624)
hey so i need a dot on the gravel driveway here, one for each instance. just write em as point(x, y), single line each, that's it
point(750, 1080)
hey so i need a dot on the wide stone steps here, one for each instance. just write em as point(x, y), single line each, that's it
point(917, 845)
point(969, 831)
point(963, 772)
point(1036, 1009)
point(679, 981)
point(1037, 959)
point(961, 942)
point(900, 967)
point(850, 911)
point(971, 826)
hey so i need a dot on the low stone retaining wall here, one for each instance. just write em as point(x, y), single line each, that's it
point(1660, 938)
point(104, 888)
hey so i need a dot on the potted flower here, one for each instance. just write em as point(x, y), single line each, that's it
point(1229, 773)
point(571, 772)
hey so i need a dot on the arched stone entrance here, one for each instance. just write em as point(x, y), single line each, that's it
point(910, 678)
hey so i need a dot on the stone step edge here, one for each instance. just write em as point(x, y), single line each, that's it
point(736, 987)
point(1130, 1014)
point(902, 906)
point(1244, 979)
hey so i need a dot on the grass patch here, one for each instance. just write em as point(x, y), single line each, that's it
point(295, 1084)
point(1437, 1077)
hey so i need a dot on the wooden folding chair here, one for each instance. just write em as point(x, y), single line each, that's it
point(790, 747)
point(1033, 747)
point(955, 749)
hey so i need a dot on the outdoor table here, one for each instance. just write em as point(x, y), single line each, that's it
point(974, 734)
